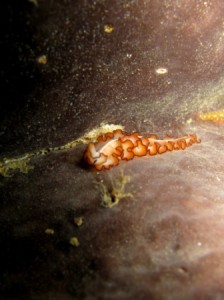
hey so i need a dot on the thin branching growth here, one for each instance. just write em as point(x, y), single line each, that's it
point(113, 192)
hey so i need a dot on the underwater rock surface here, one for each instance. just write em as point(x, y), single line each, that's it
point(148, 66)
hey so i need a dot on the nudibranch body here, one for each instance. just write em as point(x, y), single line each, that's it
point(114, 146)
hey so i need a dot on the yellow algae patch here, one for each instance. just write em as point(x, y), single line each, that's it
point(108, 28)
point(78, 221)
point(49, 231)
point(93, 134)
point(74, 241)
point(213, 116)
point(42, 59)
point(21, 164)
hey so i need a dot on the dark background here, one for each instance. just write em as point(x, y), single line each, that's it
point(166, 242)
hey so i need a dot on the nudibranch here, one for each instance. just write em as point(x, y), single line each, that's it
point(213, 116)
point(114, 146)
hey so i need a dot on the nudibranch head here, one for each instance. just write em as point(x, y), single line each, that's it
point(114, 146)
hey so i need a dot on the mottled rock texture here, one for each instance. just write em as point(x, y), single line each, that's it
point(69, 65)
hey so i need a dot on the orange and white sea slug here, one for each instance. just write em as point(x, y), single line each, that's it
point(114, 146)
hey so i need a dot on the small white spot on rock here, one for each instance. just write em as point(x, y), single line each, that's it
point(161, 71)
